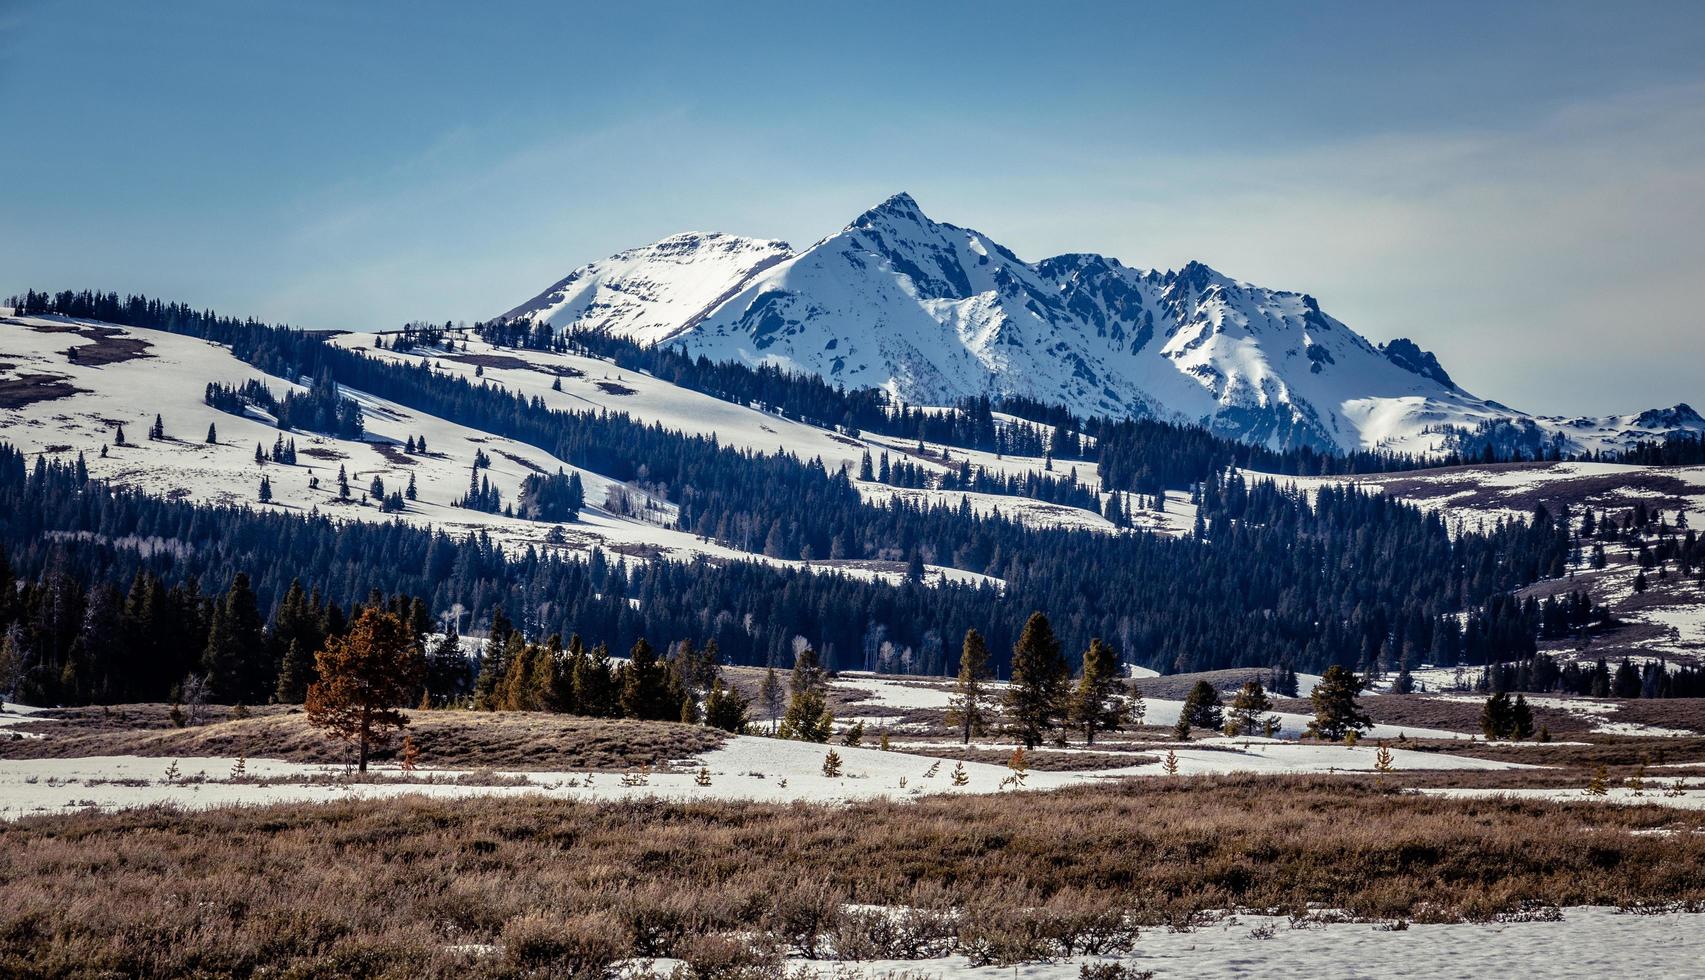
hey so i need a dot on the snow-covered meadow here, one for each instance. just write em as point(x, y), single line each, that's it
point(1587, 943)
point(745, 768)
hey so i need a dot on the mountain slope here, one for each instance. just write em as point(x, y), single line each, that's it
point(932, 312)
point(653, 292)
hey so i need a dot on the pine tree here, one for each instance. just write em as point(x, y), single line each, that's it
point(854, 735)
point(1599, 785)
point(488, 684)
point(234, 642)
point(772, 695)
point(1336, 710)
point(1202, 707)
point(364, 677)
point(1098, 704)
point(1248, 711)
point(1382, 760)
point(265, 490)
point(1037, 696)
point(1521, 719)
point(1497, 717)
point(212, 434)
point(807, 718)
point(645, 687)
point(807, 673)
point(968, 710)
point(725, 708)
point(410, 492)
point(832, 765)
point(295, 674)
point(595, 685)
point(1019, 765)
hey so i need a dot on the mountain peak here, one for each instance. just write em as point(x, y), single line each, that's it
point(932, 312)
point(899, 207)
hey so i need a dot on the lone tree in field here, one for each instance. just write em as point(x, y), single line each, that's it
point(1202, 707)
point(1036, 698)
point(1336, 712)
point(1098, 703)
point(364, 676)
point(1495, 717)
point(968, 711)
point(1247, 711)
point(1503, 718)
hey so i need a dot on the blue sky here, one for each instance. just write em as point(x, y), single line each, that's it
point(1518, 187)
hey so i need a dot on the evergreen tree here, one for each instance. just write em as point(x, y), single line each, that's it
point(1521, 718)
point(807, 718)
point(1248, 715)
point(212, 434)
point(1037, 696)
point(1337, 712)
point(295, 674)
point(363, 678)
point(969, 709)
point(772, 695)
point(808, 674)
point(12, 661)
point(1497, 716)
point(489, 682)
point(1098, 703)
point(645, 687)
point(1203, 708)
point(725, 708)
point(235, 672)
point(1404, 683)
point(447, 667)
point(595, 685)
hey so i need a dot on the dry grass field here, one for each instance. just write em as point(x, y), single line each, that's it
point(526, 887)
point(447, 739)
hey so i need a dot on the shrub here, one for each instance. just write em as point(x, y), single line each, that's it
point(581, 946)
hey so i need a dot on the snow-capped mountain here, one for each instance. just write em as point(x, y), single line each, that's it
point(654, 292)
point(932, 312)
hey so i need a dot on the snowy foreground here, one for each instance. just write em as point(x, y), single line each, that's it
point(1587, 943)
point(745, 768)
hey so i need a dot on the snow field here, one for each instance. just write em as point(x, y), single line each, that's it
point(1586, 944)
point(744, 768)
